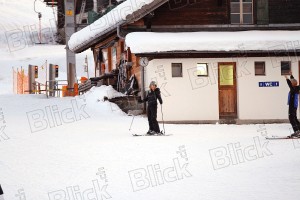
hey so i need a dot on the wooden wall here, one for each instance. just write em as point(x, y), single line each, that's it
point(210, 12)
point(136, 69)
point(201, 13)
point(284, 11)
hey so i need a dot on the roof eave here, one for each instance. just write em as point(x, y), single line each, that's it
point(209, 54)
point(129, 19)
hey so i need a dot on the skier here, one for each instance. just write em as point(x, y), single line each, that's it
point(152, 97)
point(1, 194)
point(293, 99)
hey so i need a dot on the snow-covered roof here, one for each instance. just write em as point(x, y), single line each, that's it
point(150, 42)
point(125, 12)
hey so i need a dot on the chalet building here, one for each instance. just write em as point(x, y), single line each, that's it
point(215, 61)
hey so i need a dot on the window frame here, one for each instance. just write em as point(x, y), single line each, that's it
point(241, 13)
point(264, 64)
point(288, 72)
point(176, 65)
point(207, 73)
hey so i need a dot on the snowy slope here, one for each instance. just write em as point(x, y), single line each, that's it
point(19, 13)
point(20, 17)
point(47, 162)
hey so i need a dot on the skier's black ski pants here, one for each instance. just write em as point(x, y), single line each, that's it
point(293, 119)
point(152, 115)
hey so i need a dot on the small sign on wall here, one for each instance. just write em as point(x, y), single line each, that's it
point(269, 84)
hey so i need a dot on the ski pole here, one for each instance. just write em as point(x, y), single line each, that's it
point(131, 122)
point(162, 117)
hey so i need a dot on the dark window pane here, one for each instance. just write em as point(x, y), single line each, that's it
point(235, 8)
point(176, 69)
point(285, 67)
point(235, 1)
point(260, 68)
point(247, 0)
point(235, 18)
point(247, 19)
point(247, 7)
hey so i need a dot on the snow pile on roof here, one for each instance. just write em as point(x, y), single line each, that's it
point(149, 42)
point(109, 21)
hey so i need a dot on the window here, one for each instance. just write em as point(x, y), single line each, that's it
point(241, 11)
point(176, 69)
point(226, 73)
point(114, 57)
point(202, 69)
point(260, 69)
point(285, 67)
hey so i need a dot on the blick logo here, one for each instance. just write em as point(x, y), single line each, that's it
point(234, 154)
point(154, 175)
point(51, 116)
point(74, 193)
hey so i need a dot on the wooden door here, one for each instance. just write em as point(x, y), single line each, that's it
point(227, 90)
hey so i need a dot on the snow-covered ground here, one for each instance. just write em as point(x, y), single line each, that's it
point(56, 148)
point(18, 35)
point(81, 148)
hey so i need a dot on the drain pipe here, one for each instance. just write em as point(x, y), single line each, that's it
point(119, 32)
point(143, 87)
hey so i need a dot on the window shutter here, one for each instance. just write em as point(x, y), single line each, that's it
point(262, 11)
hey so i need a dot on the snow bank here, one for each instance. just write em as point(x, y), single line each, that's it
point(147, 42)
point(103, 91)
point(106, 23)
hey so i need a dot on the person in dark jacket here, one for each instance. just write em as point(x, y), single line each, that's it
point(152, 97)
point(293, 101)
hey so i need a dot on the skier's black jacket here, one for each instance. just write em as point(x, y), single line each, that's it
point(153, 96)
point(1, 191)
point(293, 94)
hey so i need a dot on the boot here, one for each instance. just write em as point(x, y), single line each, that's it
point(150, 132)
point(296, 134)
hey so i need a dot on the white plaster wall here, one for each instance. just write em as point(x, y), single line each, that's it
point(192, 98)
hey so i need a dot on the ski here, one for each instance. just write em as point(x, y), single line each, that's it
point(282, 138)
point(151, 135)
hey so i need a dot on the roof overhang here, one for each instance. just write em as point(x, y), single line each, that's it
point(219, 54)
point(214, 44)
point(100, 35)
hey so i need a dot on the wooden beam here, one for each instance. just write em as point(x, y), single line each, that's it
point(105, 41)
